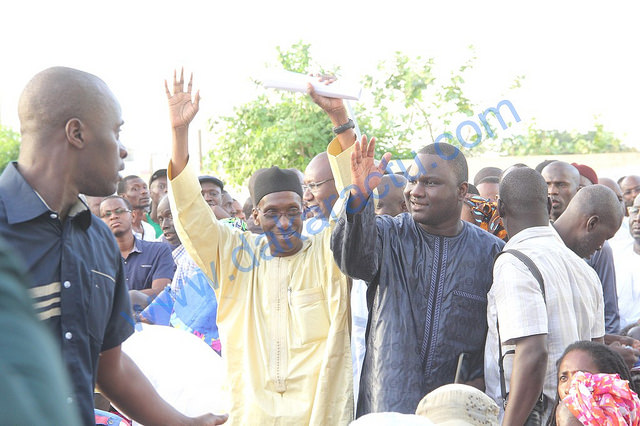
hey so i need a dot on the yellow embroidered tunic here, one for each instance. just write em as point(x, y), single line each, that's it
point(283, 321)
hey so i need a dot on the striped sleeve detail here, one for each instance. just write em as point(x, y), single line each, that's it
point(46, 300)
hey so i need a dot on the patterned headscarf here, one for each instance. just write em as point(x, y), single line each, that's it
point(602, 399)
point(485, 215)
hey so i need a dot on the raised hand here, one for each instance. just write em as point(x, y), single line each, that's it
point(181, 108)
point(334, 107)
point(365, 174)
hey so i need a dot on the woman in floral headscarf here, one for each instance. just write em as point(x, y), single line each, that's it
point(595, 359)
point(602, 399)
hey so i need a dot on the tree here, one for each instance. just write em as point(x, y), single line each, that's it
point(278, 128)
point(9, 146)
point(555, 142)
point(409, 103)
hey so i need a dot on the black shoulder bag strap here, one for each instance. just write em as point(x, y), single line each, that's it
point(538, 276)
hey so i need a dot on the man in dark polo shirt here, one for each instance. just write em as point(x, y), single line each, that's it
point(70, 123)
point(148, 266)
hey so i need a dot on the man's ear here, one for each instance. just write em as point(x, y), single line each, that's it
point(501, 209)
point(462, 190)
point(254, 213)
point(74, 131)
point(592, 222)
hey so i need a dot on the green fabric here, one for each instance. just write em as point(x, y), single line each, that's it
point(34, 386)
point(155, 225)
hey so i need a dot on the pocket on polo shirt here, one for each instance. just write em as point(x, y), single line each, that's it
point(102, 293)
point(310, 314)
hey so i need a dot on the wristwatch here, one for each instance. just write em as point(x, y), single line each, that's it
point(344, 127)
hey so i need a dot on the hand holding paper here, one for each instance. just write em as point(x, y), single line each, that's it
point(296, 82)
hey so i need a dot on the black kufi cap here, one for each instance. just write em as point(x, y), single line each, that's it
point(275, 179)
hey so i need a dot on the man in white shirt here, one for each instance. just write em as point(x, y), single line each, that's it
point(627, 271)
point(538, 327)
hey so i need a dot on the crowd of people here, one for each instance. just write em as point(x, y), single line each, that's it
point(342, 292)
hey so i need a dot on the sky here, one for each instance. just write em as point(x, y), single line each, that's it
point(579, 59)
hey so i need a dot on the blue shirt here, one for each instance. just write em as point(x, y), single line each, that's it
point(189, 303)
point(76, 279)
point(148, 261)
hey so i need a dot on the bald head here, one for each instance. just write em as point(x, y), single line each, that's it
point(630, 186)
point(389, 195)
point(524, 190)
point(56, 95)
point(320, 193)
point(593, 216)
point(613, 185)
point(523, 200)
point(596, 200)
point(73, 117)
point(563, 181)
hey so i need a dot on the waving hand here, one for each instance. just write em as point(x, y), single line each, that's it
point(365, 174)
point(181, 108)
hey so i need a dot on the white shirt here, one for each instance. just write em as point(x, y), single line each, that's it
point(359, 318)
point(149, 232)
point(627, 283)
point(622, 239)
point(574, 307)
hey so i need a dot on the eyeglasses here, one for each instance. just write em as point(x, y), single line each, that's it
point(313, 186)
point(274, 215)
point(117, 211)
point(633, 211)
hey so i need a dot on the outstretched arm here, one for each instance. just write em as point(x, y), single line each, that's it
point(356, 248)
point(334, 108)
point(182, 110)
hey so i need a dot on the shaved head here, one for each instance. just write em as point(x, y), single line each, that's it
point(389, 195)
point(596, 200)
point(630, 186)
point(58, 94)
point(613, 185)
point(562, 167)
point(73, 117)
point(563, 182)
point(592, 217)
point(320, 193)
point(523, 189)
point(523, 201)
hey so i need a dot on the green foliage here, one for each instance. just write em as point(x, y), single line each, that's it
point(287, 132)
point(278, 128)
point(554, 142)
point(412, 105)
point(9, 146)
